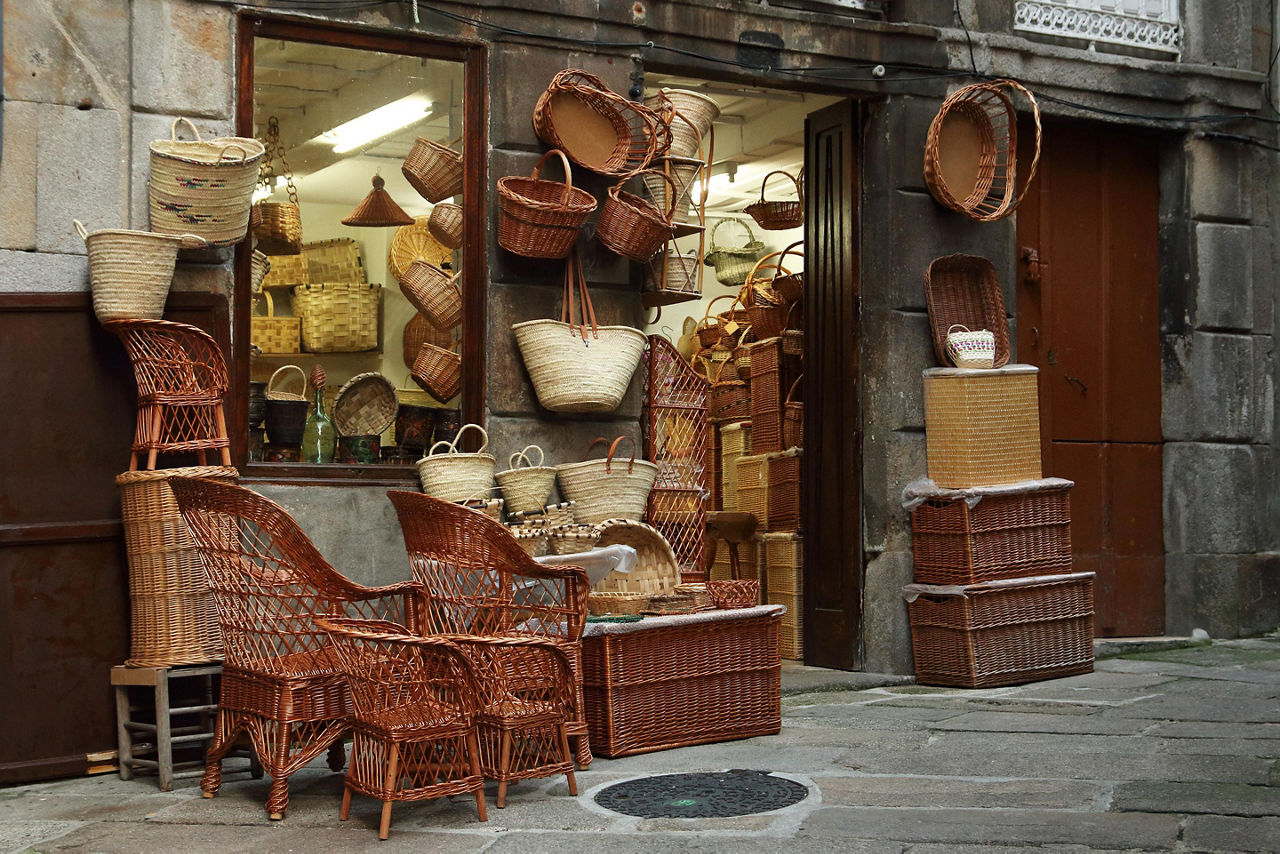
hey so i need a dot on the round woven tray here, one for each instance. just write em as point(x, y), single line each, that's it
point(414, 243)
point(365, 405)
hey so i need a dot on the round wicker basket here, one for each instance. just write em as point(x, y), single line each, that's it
point(365, 405)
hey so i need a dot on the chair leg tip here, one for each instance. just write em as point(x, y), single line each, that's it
point(206, 794)
point(275, 816)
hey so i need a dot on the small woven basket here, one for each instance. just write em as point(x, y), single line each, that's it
point(438, 371)
point(573, 539)
point(532, 540)
point(964, 289)
point(701, 598)
point(338, 317)
point(778, 215)
point(277, 227)
point(336, 260)
point(603, 604)
point(551, 517)
point(274, 334)
point(434, 293)
point(366, 405)
point(130, 271)
point(527, 487)
point(287, 271)
point(434, 170)
point(445, 224)
point(491, 507)
point(541, 219)
point(203, 187)
point(734, 593)
point(633, 227)
point(597, 128)
point(456, 476)
point(733, 263)
point(273, 393)
point(971, 349)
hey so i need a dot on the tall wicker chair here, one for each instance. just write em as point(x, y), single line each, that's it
point(415, 704)
point(481, 583)
point(181, 377)
point(281, 682)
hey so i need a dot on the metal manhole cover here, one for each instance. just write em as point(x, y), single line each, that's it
point(708, 795)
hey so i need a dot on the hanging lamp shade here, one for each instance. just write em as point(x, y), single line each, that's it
point(378, 209)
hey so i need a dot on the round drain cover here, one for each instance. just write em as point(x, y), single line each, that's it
point(708, 795)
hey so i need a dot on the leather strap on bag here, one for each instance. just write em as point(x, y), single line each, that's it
point(575, 280)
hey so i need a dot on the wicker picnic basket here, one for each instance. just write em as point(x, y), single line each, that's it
point(338, 317)
point(365, 405)
point(414, 243)
point(597, 128)
point(275, 334)
point(526, 485)
point(438, 370)
point(964, 289)
point(541, 219)
point(434, 293)
point(434, 170)
point(259, 267)
point(276, 226)
point(456, 476)
point(778, 215)
point(418, 331)
point(690, 115)
point(733, 263)
point(607, 488)
point(971, 152)
point(130, 271)
point(575, 365)
point(632, 227)
point(203, 187)
point(445, 224)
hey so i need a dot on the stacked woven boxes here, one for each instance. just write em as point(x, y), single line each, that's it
point(994, 601)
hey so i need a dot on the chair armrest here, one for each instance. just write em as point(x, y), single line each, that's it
point(492, 656)
point(404, 602)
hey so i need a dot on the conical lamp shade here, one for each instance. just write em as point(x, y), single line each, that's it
point(378, 209)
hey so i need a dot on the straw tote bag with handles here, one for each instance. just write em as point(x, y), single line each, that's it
point(452, 475)
point(609, 488)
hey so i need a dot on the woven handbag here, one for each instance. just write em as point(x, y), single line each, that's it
point(277, 226)
point(597, 128)
point(575, 364)
point(607, 489)
point(733, 263)
point(632, 227)
point(434, 170)
point(967, 349)
point(452, 475)
point(338, 317)
point(778, 215)
point(434, 293)
point(203, 187)
point(275, 334)
point(526, 485)
point(541, 219)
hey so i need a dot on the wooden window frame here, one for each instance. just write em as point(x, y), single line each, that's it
point(474, 59)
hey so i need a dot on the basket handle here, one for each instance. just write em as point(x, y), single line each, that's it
point(192, 241)
point(792, 390)
point(484, 437)
point(523, 455)
point(799, 190)
point(575, 282)
point(568, 173)
point(173, 129)
point(81, 230)
point(301, 373)
point(271, 307)
point(750, 234)
point(608, 461)
point(671, 195)
point(706, 315)
point(790, 249)
point(786, 323)
point(222, 155)
point(596, 441)
point(953, 327)
point(1035, 158)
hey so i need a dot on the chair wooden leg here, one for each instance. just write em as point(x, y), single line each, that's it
point(504, 768)
point(384, 827)
point(278, 794)
point(568, 757)
point(220, 419)
point(473, 751)
point(345, 812)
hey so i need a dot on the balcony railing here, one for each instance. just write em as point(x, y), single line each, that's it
point(1154, 25)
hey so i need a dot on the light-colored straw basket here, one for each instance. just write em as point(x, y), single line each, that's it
point(275, 334)
point(338, 317)
point(434, 293)
point(573, 374)
point(203, 187)
point(445, 224)
point(551, 516)
point(656, 571)
point(434, 170)
point(673, 274)
point(694, 114)
point(608, 488)
point(130, 271)
point(414, 243)
point(573, 539)
point(683, 172)
point(733, 263)
point(532, 540)
point(527, 485)
point(976, 349)
point(366, 405)
point(452, 475)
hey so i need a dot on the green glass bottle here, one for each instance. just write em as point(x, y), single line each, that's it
point(319, 436)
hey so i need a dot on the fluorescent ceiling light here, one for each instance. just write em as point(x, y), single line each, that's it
point(378, 123)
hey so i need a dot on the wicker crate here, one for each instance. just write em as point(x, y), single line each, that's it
point(791, 633)
point(724, 684)
point(714, 472)
point(753, 487)
point(784, 563)
point(1002, 632)
point(772, 373)
point(735, 440)
point(784, 490)
point(982, 427)
point(1007, 534)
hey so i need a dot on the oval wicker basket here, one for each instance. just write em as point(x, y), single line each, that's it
point(778, 215)
point(414, 243)
point(438, 371)
point(607, 489)
point(418, 331)
point(434, 170)
point(971, 152)
point(541, 219)
point(526, 488)
point(597, 128)
point(632, 227)
point(657, 571)
point(365, 405)
point(434, 293)
point(130, 271)
point(203, 187)
point(454, 475)
point(445, 224)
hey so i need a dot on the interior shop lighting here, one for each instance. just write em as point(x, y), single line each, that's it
point(376, 124)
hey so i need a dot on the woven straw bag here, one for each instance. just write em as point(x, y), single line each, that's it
point(434, 170)
point(456, 476)
point(414, 243)
point(596, 127)
point(605, 489)
point(778, 215)
point(578, 366)
point(130, 271)
point(445, 224)
point(971, 349)
point(365, 406)
point(203, 187)
point(526, 488)
point(275, 334)
point(277, 394)
point(541, 219)
point(438, 370)
point(338, 317)
point(733, 263)
point(434, 293)
point(632, 227)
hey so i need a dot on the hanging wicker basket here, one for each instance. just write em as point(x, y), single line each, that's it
point(203, 187)
point(608, 488)
point(452, 475)
point(778, 215)
point(434, 170)
point(633, 227)
point(733, 263)
point(597, 128)
point(526, 485)
point(130, 271)
point(790, 286)
point(971, 152)
point(439, 371)
point(766, 309)
point(445, 224)
point(365, 405)
point(418, 331)
point(434, 293)
point(541, 219)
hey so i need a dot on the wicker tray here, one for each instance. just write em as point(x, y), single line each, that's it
point(366, 405)
point(964, 290)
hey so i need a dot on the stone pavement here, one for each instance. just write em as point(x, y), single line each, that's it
point(1172, 750)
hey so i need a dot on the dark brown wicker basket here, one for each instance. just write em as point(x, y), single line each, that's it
point(778, 215)
point(964, 289)
point(632, 227)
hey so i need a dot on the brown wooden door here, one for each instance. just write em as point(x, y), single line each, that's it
point(832, 481)
point(1087, 304)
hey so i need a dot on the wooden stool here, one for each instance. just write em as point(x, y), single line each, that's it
point(735, 528)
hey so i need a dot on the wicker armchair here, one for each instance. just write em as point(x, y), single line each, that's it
point(415, 702)
point(281, 681)
point(181, 377)
point(480, 582)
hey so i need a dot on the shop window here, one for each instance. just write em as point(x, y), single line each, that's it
point(339, 111)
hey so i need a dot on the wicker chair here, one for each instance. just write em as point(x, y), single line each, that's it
point(481, 583)
point(181, 377)
point(414, 726)
point(281, 682)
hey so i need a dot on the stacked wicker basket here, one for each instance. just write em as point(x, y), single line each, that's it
point(994, 600)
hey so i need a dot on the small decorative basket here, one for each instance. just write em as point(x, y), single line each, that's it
point(553, 516)
point(732, 594)
point(573, 539)
point(778, 215)
point(527, 485)
point(600, 604)
point(434, 170)
point(532, 540)
point(445, 224)
point(971, 349)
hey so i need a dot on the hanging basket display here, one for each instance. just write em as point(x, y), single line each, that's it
point(434, 170)
point(971, 152)
point(434, 293)
point(597, 128)
point(445, 224)
point(414, 243)
point(439, 371)
point(277, 226)
point(733, 263)
point(632, 227)
point(778, 215)
point(419, 331)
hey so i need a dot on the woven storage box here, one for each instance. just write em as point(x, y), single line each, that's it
point(1002, 632)
point(723, 683)
point(336, 260)
point(772, 374)
point(735, 440)
point(338, 317)
point(982, 427)
point(1010, 532)
point(753, 487)
point(275, 333)
point(791, 633)
point(784, 490)
point(784, 563)
point(174, 619)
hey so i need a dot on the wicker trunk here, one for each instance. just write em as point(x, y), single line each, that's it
point(982, 426)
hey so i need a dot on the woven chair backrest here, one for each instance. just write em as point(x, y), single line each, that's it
point(172, 358)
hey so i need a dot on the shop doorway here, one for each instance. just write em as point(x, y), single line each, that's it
point(1087, 307)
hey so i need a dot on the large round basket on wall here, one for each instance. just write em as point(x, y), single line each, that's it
point(971, 153)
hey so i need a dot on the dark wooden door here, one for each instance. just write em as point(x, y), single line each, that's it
point(832, 481)
point(1087, 303)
